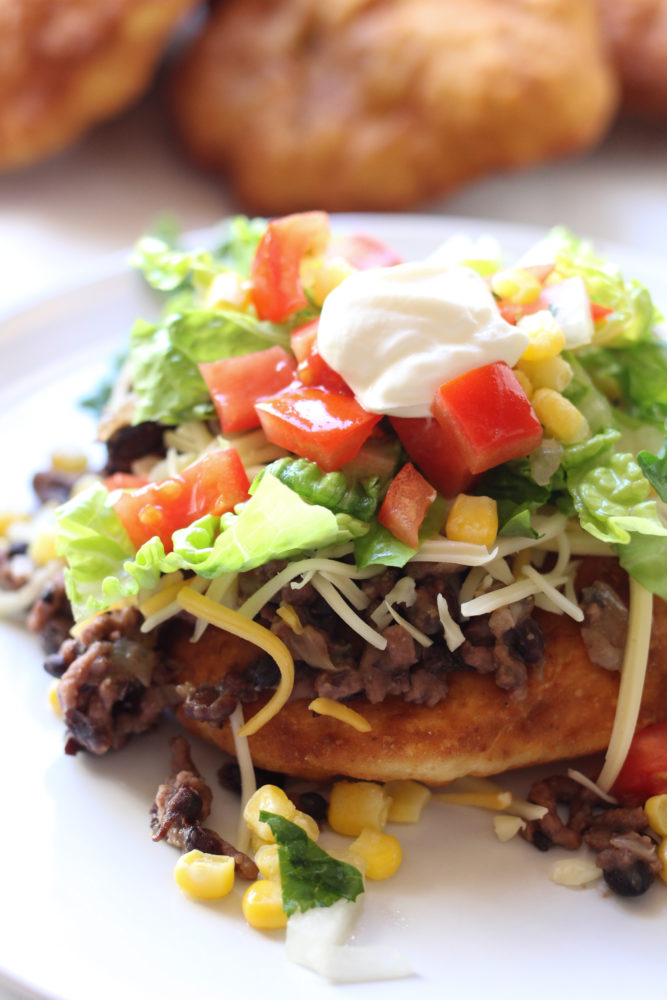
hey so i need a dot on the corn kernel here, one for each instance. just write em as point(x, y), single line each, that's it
point(266, 859)
point(69, 461)
point(307, 824)
point(53, 697)
point(408, 798)
point(321, 275)
point(524, 382)
point(273, 800)
point(560, 418)
point(546, 339)
point(472, 519)
point(381, 851)
point(662, 857)
point(8, 518)
point(516, 285)
point(205, 876)
point(656, 810)
point(550, 373)
point(262, 906)
point(228, 290)
point(42, 548)
point(357, 804)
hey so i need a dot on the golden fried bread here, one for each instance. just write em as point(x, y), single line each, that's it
point(67, 64)
point(636, 31)
point(353, 104)
point(568, 711)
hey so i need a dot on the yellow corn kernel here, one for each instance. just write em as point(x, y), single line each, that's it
point(524, 382)
point(53, 697)
point(42, 548)
point(472, 519)
point(320, 275)
point(546, 339)
point(8, 518)
point(205, 876)
point(262, 906)
point(272, 799)
point(68, 461)
point(408, 798)
point(381, 851)
point(266, 859)
point(307, 824)
point(517, 285)
point(656, 810)
point(550, 373)
point(228, 290)
point(560, 418)
point(356, 804)
point(662, 857)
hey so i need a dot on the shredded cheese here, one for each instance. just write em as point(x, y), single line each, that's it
point(256, 601)
point(290, 617)
point(335, 600)
point(247, 772)
point(482, 800)
point(454, 637)
point(416, 634)
point(444, 550)
point(543, 583)
point(633, 672)
point(337, 710)
point(591, 786)
point(237, 624)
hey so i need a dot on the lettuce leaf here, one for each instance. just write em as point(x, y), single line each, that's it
point(164, 359)
point(654, 468)
point(308, 875)
point(378, 547)
point(634, 315)
point(644, 558)
point(330, 489)
point(634, 377)
point(93, 541)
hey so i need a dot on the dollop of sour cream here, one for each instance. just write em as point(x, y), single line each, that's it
point(397, 333)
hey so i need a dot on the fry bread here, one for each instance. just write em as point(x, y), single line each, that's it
point(567, 712)
point(636, 31)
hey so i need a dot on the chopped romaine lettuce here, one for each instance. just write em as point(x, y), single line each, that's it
point(330, 489)
point(378, 547)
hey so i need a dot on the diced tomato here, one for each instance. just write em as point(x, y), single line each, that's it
point(364, 251)
point(488, 415)
point(312, 369)
point(644, 772)
point(235, 384)
point(326, 427)
point(406, 504)
point(433, 449)
point(512, 313)
point(212, 485)
point(124, 481)
point(599, 312)
point(277, 292)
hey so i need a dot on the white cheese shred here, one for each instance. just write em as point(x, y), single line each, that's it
point(454, 637)
point(338, 604)
point(247, 772)
point(633, 672)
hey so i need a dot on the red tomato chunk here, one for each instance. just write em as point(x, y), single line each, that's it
point(644, 772)
point(312, 369)
point(325, 427)
point(364, 251)
point(488, 416)
point(235, 384)
point(275, 272)
point(406, 504)
point(212, 485)
point(433, 449)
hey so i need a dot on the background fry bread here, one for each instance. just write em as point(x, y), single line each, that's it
point(356, 104)
point(568, 711)
point(67, 64)
point(636, 31)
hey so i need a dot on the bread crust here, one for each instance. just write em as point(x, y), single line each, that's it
point(567, 711)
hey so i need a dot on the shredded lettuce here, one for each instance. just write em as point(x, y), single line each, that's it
point(330, 489)
point(308, 875)
point(635, 378)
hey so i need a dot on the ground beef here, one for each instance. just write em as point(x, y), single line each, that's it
point(605, 626)
point(182, 803)
point(116, 682)
point(51, 619)
point(15, 566)
point(53, 485)
point(626, 852)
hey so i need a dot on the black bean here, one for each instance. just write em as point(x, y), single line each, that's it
point(314, 805)
point(629, 881)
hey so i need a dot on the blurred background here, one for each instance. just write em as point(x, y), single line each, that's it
point(115, 112)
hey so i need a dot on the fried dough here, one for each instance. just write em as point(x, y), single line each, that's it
point(567, 712)
point(381, 104)
point(636, 31)
point(67, 64)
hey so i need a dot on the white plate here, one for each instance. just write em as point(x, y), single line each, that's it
point(89, 904)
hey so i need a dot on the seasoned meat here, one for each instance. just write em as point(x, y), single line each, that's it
point(51, 619)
